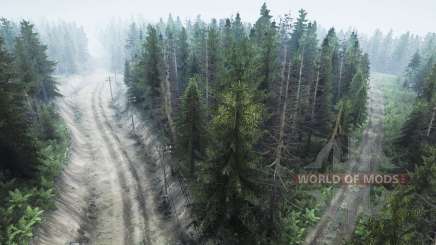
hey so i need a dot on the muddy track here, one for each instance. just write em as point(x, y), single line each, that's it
point(121, 172)
point(338, 222)
point(156, 228)
point(107, 192)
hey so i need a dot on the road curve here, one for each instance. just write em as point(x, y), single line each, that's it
point(106, 193)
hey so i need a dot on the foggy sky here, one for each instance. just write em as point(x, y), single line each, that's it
point(417, 16)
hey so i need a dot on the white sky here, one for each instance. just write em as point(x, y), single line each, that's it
point(417, 16)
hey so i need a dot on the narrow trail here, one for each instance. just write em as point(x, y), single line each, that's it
point(338, 221)
point(106, 193)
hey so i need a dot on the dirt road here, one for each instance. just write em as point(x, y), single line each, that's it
point(338, 221)
point(107, 194)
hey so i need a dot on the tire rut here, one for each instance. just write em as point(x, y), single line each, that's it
point(338, 221)
point(126, 207)
point(139, 194)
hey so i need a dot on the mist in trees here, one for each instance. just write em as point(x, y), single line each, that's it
point(67, 45)
point(32, 142)
point(391, 53)
point(66, 42)
point(245, 104)
point(407, 212)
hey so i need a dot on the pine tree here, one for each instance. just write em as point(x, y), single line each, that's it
point(8, 31)
point(412, 70)
point(32, 65)
point(352, 57)
point(422, 74)
point(322, 107)
point(18, 151)
point(357, 95)
point(183, 59)
point(297, 48)
point(300, 28)
point(266, 41)
point(191, 129)
point(309, 76)
point(154, 63)
point(238, 29)
point(215, 59)
point(411, 136)
point(227, 198)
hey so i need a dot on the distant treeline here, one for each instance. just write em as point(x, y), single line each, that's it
point(389, 54)
point(67, 44)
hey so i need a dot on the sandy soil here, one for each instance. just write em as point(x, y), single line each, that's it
point(109, 191)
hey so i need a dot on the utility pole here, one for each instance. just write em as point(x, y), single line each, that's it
point(110, 87)
point(132, 100)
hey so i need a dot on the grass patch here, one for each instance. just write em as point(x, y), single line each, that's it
point(399, 103)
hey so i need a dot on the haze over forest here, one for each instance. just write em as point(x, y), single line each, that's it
point(363, 15)
point(217, 122)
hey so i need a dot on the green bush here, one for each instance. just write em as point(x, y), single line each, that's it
point(23, 201)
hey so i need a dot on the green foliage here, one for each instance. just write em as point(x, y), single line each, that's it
point(8, 32)
point(33, 141)
point(297, 224)
point(398, 106)
point(17, 148)
point(192, 135)
point(153, 61)
point(409, 214)
point(323, 110)
point(183, 57)
point(21, 233)
point(266, 40)
point(32, 66)
point(358, 96)
point(228, 201)
point(239, 82)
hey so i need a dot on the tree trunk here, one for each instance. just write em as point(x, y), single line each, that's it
point(283, 73)
point(176, 75)
point(340, 77)
point(430, 124)
point(312, 113)
point(325, 151)
point(279, 148)
point(166, 92)
point(207, 75)
point(297, 99)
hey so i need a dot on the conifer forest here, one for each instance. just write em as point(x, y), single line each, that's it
point(277, 123)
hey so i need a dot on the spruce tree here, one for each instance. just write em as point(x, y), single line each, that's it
point(215, 61)
point(412, 70)
point(18, 151)
point(322, 111)
point(191, 128)
point(228, 197)
point(8, 31)
point(153, 65)
point(32, 65)
point(357, 96)
point(182, 59)
point(266, 42)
